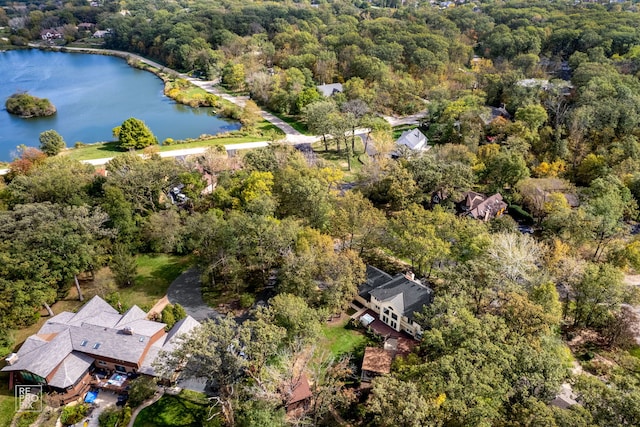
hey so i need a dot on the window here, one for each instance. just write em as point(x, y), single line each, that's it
point(96, 346)
point(394, 316)
point(394, 325)
point(120, 368)
point(386, 310)
point(83, 343)
point(101, 362)
point(385, 319)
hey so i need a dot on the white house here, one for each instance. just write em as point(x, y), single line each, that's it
point(329, 89)
point(414, 140)
point(395, 299)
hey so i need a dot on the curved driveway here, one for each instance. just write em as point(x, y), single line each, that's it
point(186, 290)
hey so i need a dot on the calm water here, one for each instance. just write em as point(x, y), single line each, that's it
point(93, 94)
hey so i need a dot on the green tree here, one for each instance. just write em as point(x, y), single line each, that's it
point(250, 115)
point(317, 116)
point(211, 352)
point(134, 134)
point(141, 389)
point(597, 295)
point(51, 142)
point(123, 265)
point(233, 76)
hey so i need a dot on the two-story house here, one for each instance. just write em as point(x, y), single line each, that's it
point(395, 299)
point(69, 346)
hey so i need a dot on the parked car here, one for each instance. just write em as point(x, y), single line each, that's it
point(122, 399)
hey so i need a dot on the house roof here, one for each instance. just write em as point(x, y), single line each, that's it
point(413, 294)
point(181, 327)
point(43, 359)
point(96, 330)
point(72, 367)
point(301, 391)
point(377, 360)
point(329, 89)
point(471, 200)
point(375, 278)
point(413, 139)
point(489, 207)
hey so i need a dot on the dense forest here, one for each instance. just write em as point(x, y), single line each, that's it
point(537, 101)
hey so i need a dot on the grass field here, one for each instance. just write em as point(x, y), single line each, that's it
point(188, 409)
point(109, 149)
point(293, 122)
point(340, 340)
point(338, 158)
point(7, 402)
point(155, 274)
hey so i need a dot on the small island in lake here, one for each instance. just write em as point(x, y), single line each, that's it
point(24, 105)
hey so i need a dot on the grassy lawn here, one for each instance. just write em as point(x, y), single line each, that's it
point(635, 352)
point(188, 409)
point(7, 402)
point(338, 158)
point(397, 131)
point(155, 274)
point(293, 122)
point(340, 340)
point(109, 149)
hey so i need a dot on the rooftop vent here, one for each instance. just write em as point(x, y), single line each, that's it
point(127, 330)
point(11, 359)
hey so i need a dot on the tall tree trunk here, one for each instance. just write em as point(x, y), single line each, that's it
point(353, 139)
point(48, 309)
point(326, 145)
point(80, 297)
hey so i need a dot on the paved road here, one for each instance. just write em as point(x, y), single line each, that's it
point(187, 292)
point(184, 152)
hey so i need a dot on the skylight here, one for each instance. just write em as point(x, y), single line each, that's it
point(96, 346)
point(83, 343)
point(141, 339)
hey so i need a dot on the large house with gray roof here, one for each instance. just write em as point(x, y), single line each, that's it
point(395, 299)
point(414, 140)
point(69, 346)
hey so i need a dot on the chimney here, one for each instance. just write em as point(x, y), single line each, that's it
point(11, 359)
point(127, 330)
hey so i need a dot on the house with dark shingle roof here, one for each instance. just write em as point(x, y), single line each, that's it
point(479, 206)
point(395, 299)
point(69, 346)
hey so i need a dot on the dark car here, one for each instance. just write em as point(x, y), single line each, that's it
point(122, 399)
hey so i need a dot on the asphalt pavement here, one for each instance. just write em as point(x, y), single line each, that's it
point(186, 290)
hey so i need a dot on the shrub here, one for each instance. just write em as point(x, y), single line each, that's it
point(167, 317)
point(247, 300)
point(142, 388)
point(179, 312)
point(110, 417)
point(74, 414)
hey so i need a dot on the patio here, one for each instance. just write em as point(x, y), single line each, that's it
point(116, 383)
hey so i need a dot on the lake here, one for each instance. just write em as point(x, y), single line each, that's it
point(93, 94)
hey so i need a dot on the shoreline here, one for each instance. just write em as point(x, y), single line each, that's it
point(133, 60)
